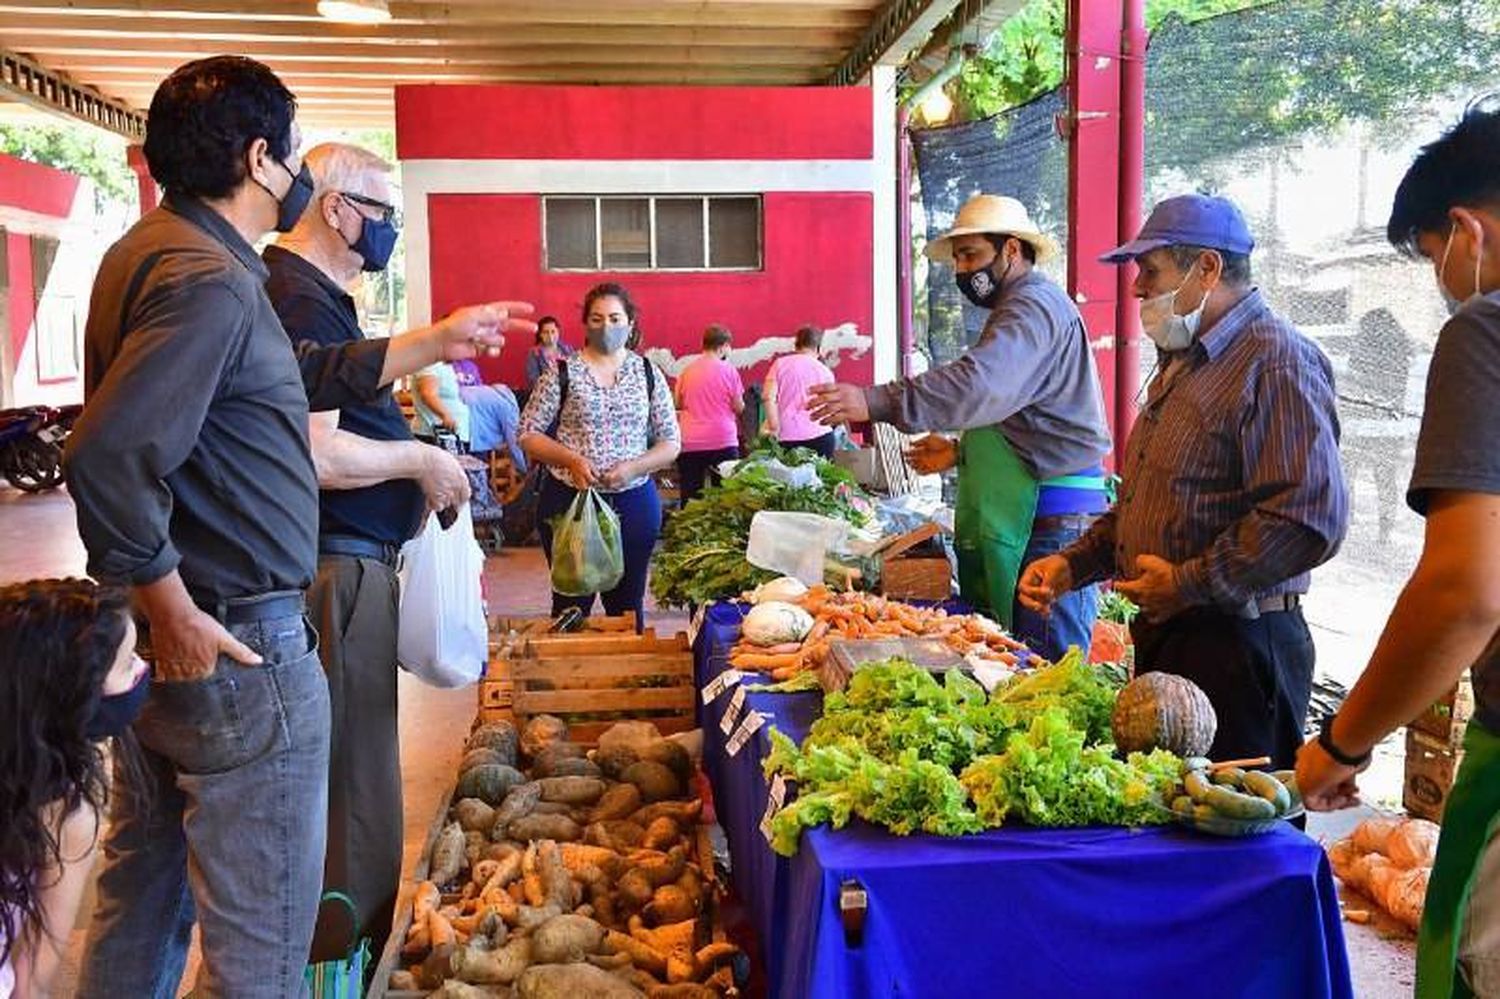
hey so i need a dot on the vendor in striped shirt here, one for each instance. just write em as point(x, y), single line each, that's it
point(1232, 486)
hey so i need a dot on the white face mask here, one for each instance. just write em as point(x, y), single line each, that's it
point(1160, 321)
point(1454, 304)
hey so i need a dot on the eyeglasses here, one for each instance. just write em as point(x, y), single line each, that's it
point(387, 213)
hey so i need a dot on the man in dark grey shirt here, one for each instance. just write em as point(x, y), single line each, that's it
point(1447, 619)
point(1028, 398)
point(194, 485)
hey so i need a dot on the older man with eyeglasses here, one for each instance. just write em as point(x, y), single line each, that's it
point(376, 484)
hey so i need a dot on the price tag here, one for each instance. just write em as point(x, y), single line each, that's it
point(753, 721)
point(774, 801)
point(733, 712)
point(715, 688)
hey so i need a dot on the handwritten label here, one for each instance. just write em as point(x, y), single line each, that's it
point(774, 801)
point(733, 712)
point(715, 688)
point(695, 625)
point(753, 721)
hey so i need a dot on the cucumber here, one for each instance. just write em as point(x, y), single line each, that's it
point(1196, 763)
point(1236, 805)
point(1197, 785)
point(1229, 777)
point(1288, 779)
point(1205, 813)
point(1183, 805)
point(1263, 785)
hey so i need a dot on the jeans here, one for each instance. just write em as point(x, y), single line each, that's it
point(229, 829)
point(1072, 619)
point(639, 510)
point(494, 421)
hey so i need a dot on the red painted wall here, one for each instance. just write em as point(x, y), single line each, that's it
point(817, 270)
point(36, 188)
point(634, 123)
point(22, 297)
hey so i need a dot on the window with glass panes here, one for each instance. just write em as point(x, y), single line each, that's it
point(664, 232)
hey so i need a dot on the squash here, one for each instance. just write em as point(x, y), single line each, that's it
point(1164, 711)
point(479, 756)
point(501, 736)
point(489, 782)
point(776, 623)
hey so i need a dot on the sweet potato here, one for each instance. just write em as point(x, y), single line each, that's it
point(662, 834)
point(642, 954)
point(454, 989)
point(619, 835)
point(681, 990)
point(531, 878)
point(614, 760)
point(634, 889)
point(447, 855)
point(573, 767)
point(660, 868)
point(530, 916)
point(577, 856)
point(609, 962)
point(538, 826)
point(675, 940)
point(497, 967)
point(572, 790)
point(669, 754)
point(565, 938)
point(691, 884)
point(541, 732)
point(617, 803)
point(557, 882)
point(473, 814)
point(517, 805)
point(669, 904)
point(656, 782)
point(403, 981)
point(573, 981)
point(685, 812)
point(476, 845)
point(436, 967)
point(439, 930)
point(553, 808)
point(642, 980)
point(424, 900)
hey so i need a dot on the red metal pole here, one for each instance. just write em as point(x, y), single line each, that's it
point(904, 299)
point(135, 156)
point(1133, 42)
point(1093, 133)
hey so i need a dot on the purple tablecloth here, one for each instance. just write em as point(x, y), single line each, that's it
point(1016, 911)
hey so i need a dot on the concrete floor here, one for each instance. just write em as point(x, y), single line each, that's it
point(38, 538)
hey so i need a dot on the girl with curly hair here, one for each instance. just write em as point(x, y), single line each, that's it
point(69, 680)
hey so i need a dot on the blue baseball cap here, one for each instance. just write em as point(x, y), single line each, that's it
point(1188, 220)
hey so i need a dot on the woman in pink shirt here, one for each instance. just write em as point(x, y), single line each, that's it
point(710, 397)
point(787, 382)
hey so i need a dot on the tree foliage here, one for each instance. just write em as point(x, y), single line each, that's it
point(77, 148)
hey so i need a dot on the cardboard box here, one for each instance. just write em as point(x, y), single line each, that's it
point(1447, 718)
point(1430, 766)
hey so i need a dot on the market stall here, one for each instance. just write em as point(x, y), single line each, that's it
point(1095, 910)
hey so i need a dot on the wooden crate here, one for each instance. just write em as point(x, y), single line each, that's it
point(1447, 718)
point(390, 958)
point(510, 638)
point(1430, 766)
point(591, 682)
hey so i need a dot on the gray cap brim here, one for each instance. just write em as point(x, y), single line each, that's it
point(1129, 251)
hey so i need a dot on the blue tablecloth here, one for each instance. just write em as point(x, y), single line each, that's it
point(1016, 911)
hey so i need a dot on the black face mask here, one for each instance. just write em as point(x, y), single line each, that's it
point(289, 207)
point(116, 712)
point(981, 286)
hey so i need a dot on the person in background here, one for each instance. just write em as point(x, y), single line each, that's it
point(786, 394)
point(494, 413)
point(710, 396)
point(549, 347)
point(1447, 619)
point(1028, 400)
point(375, 483)
point(1232, 491)
point(603, 419)
point(1374, 409)
point(69, 682)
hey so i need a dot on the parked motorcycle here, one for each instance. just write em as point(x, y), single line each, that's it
point(31, 440)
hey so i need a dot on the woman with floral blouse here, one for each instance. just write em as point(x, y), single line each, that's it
point(613, 426)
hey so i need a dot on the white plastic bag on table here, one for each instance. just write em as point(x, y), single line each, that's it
point(794, 544)
point(442, 636)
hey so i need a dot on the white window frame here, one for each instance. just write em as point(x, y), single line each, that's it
point(651, 199)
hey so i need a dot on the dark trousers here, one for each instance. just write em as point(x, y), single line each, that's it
point(698, 468)
point(1257, 674)
point(822, 445)
point(353, 602)
point(639, 510)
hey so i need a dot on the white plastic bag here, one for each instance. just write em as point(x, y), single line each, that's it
point(442, 636)
point(794, 544)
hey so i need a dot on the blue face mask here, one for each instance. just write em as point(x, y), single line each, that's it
point(377, 239)
point(116, 712)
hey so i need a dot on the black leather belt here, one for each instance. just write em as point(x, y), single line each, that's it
point(266, 607)
point(1064, 522)
point(1279, 603)
point(356, 547)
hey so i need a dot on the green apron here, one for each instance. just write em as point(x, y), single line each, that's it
point(992, 519)
point(1469, 819)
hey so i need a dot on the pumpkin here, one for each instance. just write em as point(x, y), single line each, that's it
point(501, 736)
point(489, 782)
point(776, 623)
point(477, 757)
point(1164, 711)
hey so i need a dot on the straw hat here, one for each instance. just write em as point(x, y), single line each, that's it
point(996, 215)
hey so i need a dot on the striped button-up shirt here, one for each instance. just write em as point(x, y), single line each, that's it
point(1232, 471)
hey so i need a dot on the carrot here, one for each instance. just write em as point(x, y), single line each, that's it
point(763, 661)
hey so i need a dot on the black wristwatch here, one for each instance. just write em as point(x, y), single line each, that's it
point(1325, 739)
